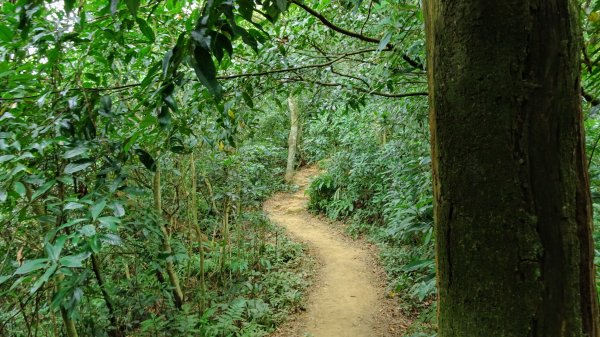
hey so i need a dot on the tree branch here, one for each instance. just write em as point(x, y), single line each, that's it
point(326, 22)
point(285, 70)
point(73, 89)
point(367, 91)
point(350, 76)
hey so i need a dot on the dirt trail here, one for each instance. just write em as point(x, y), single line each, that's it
point(347, 299)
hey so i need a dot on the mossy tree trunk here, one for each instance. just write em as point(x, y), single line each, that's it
point(512, 202)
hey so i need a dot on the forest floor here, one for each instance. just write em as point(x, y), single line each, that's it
point(348, 295)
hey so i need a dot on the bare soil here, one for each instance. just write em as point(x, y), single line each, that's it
point(348, 295)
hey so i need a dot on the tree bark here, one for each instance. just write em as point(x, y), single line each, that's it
point(70, 328)
point(292, 138)
point(511, 191)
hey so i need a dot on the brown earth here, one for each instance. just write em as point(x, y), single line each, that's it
point(348, 295)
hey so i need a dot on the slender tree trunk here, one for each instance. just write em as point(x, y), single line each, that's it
point(292, 138)
point(211, 195)
point(170, 267)
point(69, 323)
point(117, 329)
point(199, 234)
point(512, 202)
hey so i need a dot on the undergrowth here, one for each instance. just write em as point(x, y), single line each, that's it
point(377, 179)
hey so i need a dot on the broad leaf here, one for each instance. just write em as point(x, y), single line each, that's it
point(146, 29)
point(74, 261)
point(74, 167)
point(146, 159)
point(133, 6)
point(97, 208)
point(6, 34)
point(20, 188)
point(31, 265)
point(43, 189)
point(281, 5)
point(206, 72)
point(44, 278)
point(74, 152)
point(109, 222)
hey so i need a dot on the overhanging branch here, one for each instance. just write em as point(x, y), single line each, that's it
point(285, 70)
point(367, 91)
point(326, 22)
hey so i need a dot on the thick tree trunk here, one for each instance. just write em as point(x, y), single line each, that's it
point(512, 202)
point(292, 138)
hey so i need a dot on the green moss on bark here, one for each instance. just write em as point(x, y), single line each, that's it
point(512, 204)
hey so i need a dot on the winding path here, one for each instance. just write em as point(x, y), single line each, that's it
point(347, 298)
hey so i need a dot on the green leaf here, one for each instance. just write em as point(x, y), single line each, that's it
point(170, 101)
point(164, 117)
point(146, 29)
point(74, 261)
point(130, 141)
point(166, 61)
point(282, 5)
point(20, 188)
point(97, 208)
point(92, 77)
point(69, 4)
point(31, 265)
point(133, 6)
point(74, 167)
point(109, 222)
point(88, 230)
point(95, 244)
point(248, 100)
point(112, 239)
point(222, 43)
point(205, 71)
point(72, 205)
point(246, 7)
point(384, 42)
point(118, 209)
point(6, 34)
point(105, 105)
point(74, 152)
point(4, 278)
point(247, 38)
point(44, 278)
point(6, 157)
point(43, 189)
point(150, 75)
point(53, 250)
point(146, 159)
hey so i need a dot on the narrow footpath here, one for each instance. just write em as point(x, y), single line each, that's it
point(347, 298)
